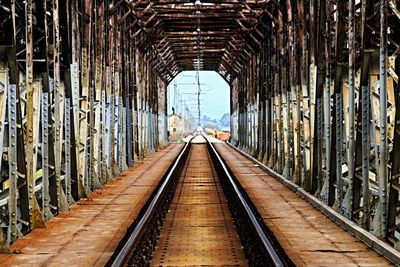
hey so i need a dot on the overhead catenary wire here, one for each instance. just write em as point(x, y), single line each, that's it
point(198, 62)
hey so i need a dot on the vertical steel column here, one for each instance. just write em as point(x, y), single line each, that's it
point(121, 137)
point(62, 204)
point(13, 231)
point(313, 85)
point(91, 163)
point(77, 187)
point(107, 125)
point(135, 111)
point(339, 150)
point(320, 141)
point(98, 84)
point(364, 81)
point(30, 176)
point(79, 190)
point(327, 97)
point(351, 134)
point(281, 150)
point(112, 125)
point(103, 125)
point(261, 121)
point(67, 153)
point(383, 149)
point(299, 169)
point(45, 158)
point(35, 216)
point(95, 112)
point(128, 130)
point(366, 147)
point(83, 123)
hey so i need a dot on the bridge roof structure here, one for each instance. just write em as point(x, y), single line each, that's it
point(199, 35)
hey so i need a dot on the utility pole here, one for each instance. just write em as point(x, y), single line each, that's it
point(198, 95)
point(198, 60)
point(175, 95)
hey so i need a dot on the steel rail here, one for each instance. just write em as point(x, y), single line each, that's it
point(368, 238)
point(267, 246)
point(144, 220)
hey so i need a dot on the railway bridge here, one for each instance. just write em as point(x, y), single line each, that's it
point(309, 176)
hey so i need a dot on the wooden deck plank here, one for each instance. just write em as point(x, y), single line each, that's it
point(88, 234)
point(307, 235)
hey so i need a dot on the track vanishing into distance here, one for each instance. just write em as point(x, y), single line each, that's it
point(199, 229)
point(198, 216)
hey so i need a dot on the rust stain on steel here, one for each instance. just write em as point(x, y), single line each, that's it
point(198, 229)
point(90, 232)
point(308, 236)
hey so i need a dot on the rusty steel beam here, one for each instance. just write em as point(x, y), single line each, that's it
point(312, 45)
point(314, 95)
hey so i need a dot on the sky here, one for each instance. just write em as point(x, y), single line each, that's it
point(215, 96)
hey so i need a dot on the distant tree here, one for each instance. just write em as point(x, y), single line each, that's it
point(225, 119)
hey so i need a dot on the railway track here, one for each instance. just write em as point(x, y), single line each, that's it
point(199, 215)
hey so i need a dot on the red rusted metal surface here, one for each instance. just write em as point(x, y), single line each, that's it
point(308, 236)
point(89, 233)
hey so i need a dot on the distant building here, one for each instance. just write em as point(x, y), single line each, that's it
point(175, 127)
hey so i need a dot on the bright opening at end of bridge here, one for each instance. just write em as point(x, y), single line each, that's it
point(183, 103)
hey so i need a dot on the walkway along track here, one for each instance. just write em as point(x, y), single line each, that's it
point(193, 225)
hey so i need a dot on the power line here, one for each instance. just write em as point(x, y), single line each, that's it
point(198, 60)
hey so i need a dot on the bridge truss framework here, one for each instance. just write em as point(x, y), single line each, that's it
point(314, 86)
